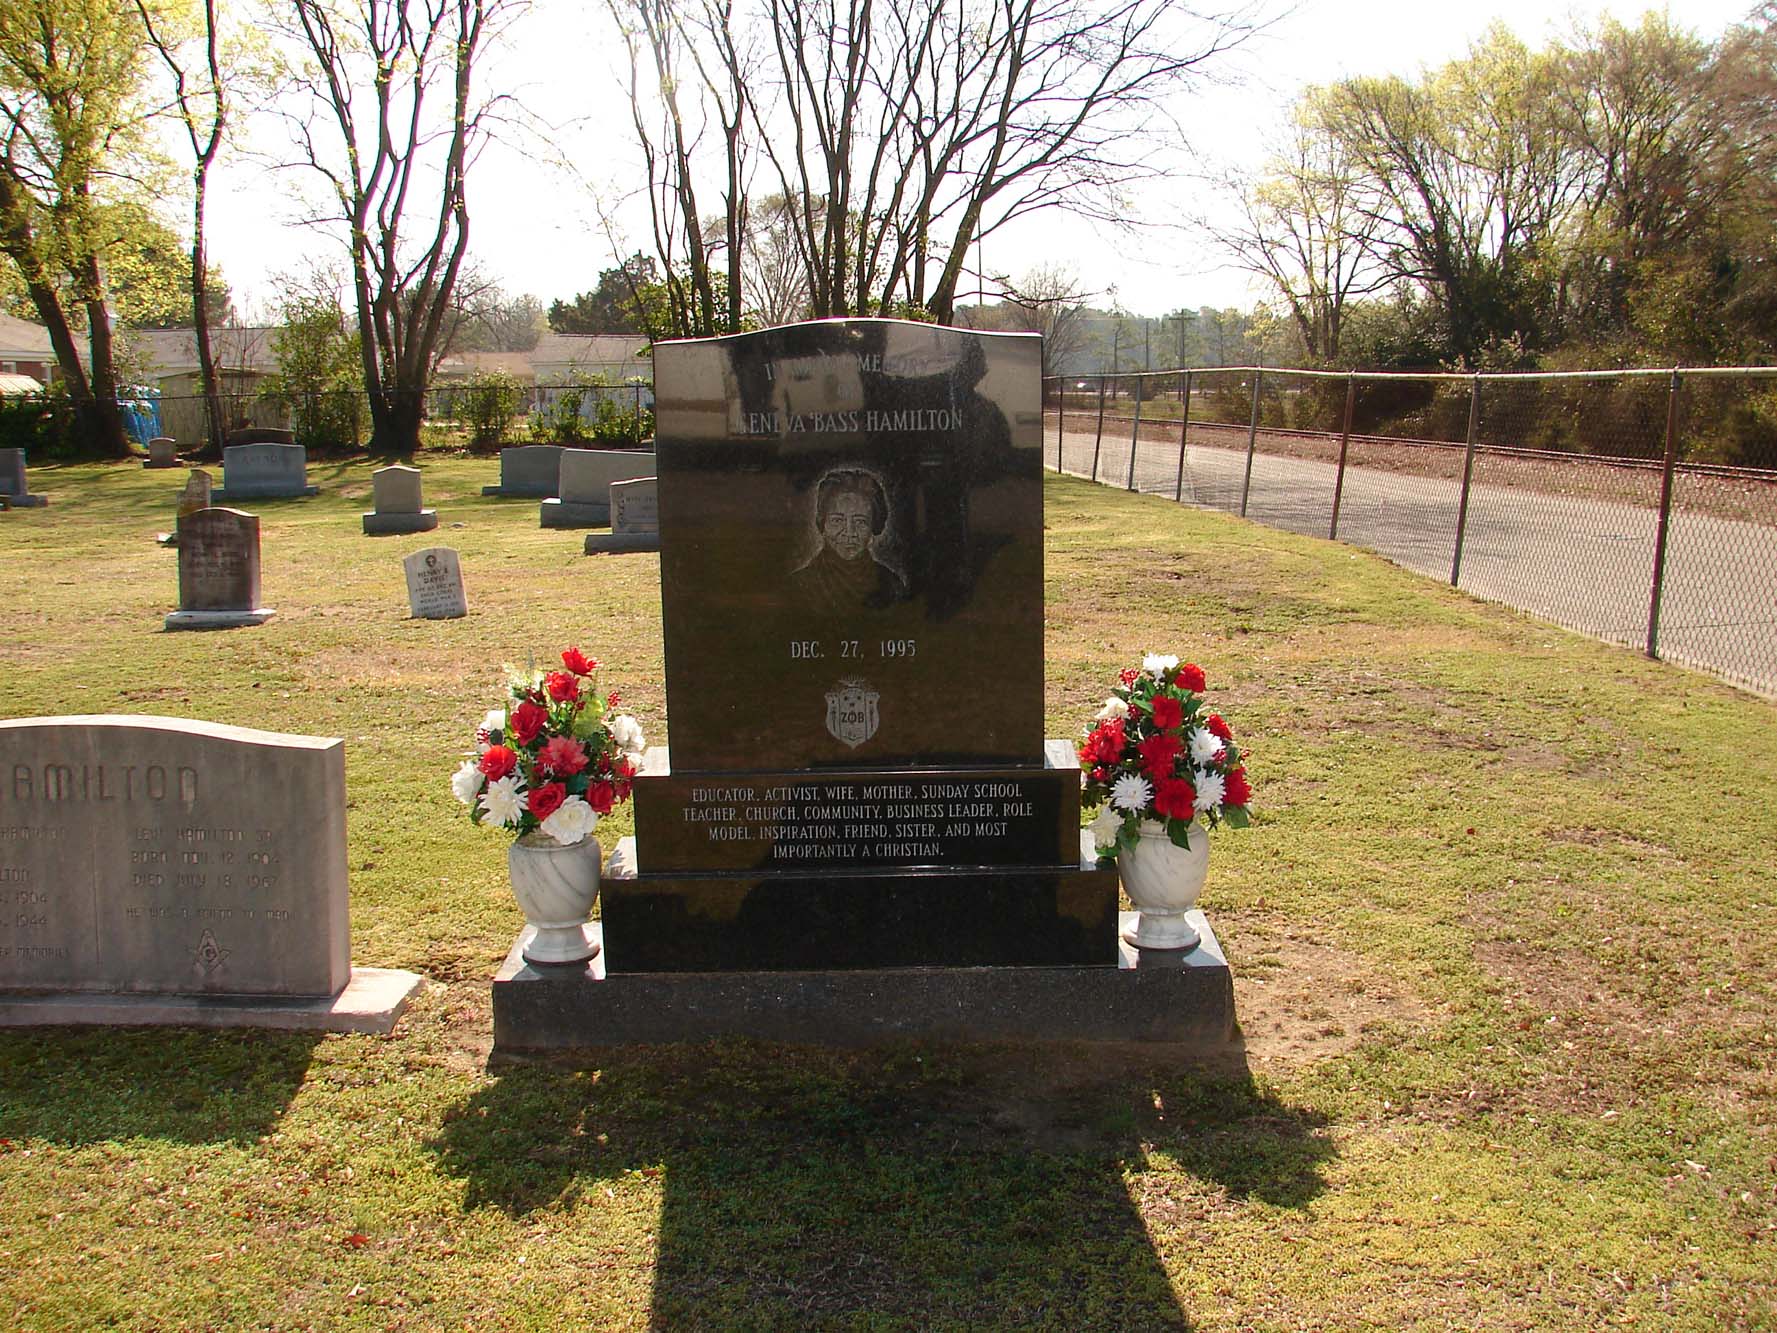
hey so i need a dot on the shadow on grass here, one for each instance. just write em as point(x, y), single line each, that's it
point(80, 1086)
point(918, 1184)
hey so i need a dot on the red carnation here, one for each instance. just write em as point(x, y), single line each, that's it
point(1190, 677)
point(578, 662)
point(547, 799)
point(561, 686)
point(613, 699)
point(497, 761)
point(1235, 790)
point(1127, 676)
point(562, 755)
point(1105, 745)
point(601, 796)
point(527, 721)
point(1168, 712)
point(1174, 798)
point(1217, 727)
point(1157, 754)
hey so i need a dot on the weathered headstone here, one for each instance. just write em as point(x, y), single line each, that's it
point(265, 472)
point(163, 451)
point(12, 481)
point(218, 571)
point(259, 435)
point(528, 471)
point(395, 493)
point(196, 494)
point(584, 500)
point(635, 518)
point(169, 870)
point(860, 831)
point(435, 584)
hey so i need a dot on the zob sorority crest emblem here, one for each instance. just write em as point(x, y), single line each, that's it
point(851, 712)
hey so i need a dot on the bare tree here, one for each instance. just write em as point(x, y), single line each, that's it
point(1300, 228)
point(396, 166)
point(1050, 300)
point(200, 103)
point(899, 135)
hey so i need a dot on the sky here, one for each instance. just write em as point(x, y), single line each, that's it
point(548, 229)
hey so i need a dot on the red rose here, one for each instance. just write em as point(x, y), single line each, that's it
point(497, 761)
point(1168, 712)
point(1157, 754)
point(1174, 798)
point(526, 721)
point(1190, 677)
point(547, 799)
point(1234, 788)
point(1217, 727)
point(578, 662)
point(562, 755)
point(561, 686)
point(601, 796)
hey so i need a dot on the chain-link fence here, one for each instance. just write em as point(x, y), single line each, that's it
point(469, 414)
point(1638, 506)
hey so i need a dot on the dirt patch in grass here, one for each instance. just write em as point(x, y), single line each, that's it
point(1300, 999)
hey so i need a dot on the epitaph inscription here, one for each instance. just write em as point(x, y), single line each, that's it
point(267, 471)
point(142, 854)
point(218, 561)
point(435, 584)
point(635, 506)
point(851, 529)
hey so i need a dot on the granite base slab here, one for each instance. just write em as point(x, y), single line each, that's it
point(218, 619)
point(599, 543)
point(555, 513)
point(26, 501)
point(222, 494)
point(149, 462)
point(377, 525)
point(1148, 996)
point(371, 1002)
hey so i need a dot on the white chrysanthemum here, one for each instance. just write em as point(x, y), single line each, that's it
point(1205, 745)
point(503, 801)
point(1113, 708)
point(465, 783)
point(1159, 665)
point(627, 733)
point(493, 725)
point(1104, 829)
point(571, 822)
point(1210, 790)
point(1131, 792)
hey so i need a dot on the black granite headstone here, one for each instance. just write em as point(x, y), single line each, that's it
point(852, 597)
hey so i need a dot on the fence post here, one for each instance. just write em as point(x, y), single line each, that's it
point(1252, 439)
point(1060, 417)
point(1468, 470)
point(1184, 429)
point(1666, 467)
point(1098, 436)
point(1344, 446)
point(638, 416)
point(1135, 431)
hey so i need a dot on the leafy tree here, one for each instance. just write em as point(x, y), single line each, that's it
point(71, 81)
point(629, 298)
point(319, 374)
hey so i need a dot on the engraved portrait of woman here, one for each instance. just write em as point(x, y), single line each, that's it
point(851, 513)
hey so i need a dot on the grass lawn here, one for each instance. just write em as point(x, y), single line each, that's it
point(1502, 934)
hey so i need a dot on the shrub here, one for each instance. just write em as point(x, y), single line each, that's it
point(489, 402)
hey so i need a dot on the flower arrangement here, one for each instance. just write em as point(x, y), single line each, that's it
point(554, 758)
point(1153, 754)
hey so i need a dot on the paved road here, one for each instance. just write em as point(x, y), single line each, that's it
point(1583, 563)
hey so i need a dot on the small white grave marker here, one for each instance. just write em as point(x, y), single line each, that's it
point(435, 584)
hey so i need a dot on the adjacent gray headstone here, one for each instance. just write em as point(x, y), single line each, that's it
point(530, 471)
point(163, 451)
point(12, 481)
point(265, 471)
point(218, 571)
point(395, 491)
point(584, 500)
point(435, 584)
point(635, 518)
point(144, 859)
point(259, 435)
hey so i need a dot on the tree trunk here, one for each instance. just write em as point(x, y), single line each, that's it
point(200, 318)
